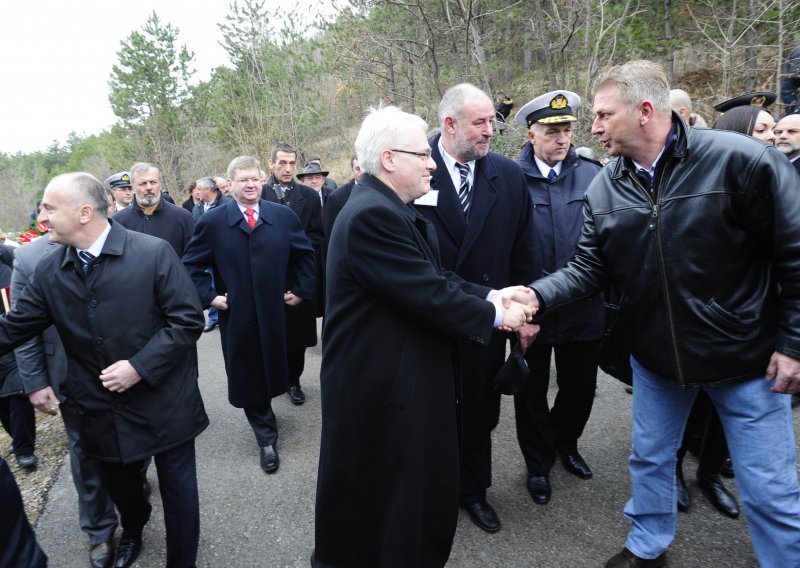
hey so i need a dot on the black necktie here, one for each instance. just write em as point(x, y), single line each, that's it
point(464, 190)
point(87, 258)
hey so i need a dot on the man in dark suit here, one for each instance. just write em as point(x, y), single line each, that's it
point(787, 138)
point(481, 210)
point(42, 365)
point(129, 320)
point(387, 490)
point(253, 248)
point(301, 320)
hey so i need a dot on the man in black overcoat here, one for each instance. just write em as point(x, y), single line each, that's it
point(126, 313)
point(301, 320)
point(481, 210)
point(387, 490)
point(254, 248)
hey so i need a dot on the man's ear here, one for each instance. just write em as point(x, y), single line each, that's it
point(648, 112)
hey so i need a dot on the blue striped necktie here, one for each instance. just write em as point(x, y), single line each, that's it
point(87, 258)
point(464, 189)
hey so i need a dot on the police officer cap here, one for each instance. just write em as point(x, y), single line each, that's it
point(551, 108)
point(122, 179)
point(761, 100)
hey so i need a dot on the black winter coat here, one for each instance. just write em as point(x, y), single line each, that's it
point(170, 222)
point(136, 304)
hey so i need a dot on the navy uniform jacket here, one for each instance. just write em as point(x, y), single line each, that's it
point(557, 222)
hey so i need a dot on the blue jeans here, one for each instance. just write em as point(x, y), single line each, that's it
point(760, 433)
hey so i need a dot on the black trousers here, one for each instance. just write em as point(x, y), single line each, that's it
point(479, 414)
point(264, 423)
point(296, 363)
point(704, 435)
point(18, 546)
point(19, 420)
point(541, 430)
point(177, 483)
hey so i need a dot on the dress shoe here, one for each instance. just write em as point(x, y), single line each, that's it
point(576, 465)
point(27, 461)
point(269, 459)
point(539, 488)
point(627, 559)
point(209, 327)
point(130, 545)
point(483, 515)
point(717, 493)
point(297, 395)
point(727, 468)
point(101, 555)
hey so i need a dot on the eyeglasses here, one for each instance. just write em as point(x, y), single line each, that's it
point(425, 155)
point(248, 180)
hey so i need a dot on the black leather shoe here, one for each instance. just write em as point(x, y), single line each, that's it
point(130, 545)
point(627, 559)
point(539, 488)
point(101, 555)
point(297, 395)
point(269, 459)
point(209, 327)
point(717, 493)
point(27, 461)
point(576, 465)
point(684, 502)
point(483, 515)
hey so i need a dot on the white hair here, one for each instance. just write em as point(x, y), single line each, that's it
point(383, 128)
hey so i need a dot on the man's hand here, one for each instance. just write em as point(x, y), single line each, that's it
point(521, 294)
point(120, 376)
point(786, 372)
point(290, 299)
point(45, 400)
point(527, 335)
point(220, 302)
point(514, 316)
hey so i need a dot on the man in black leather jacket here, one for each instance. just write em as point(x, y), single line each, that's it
point(699, 229)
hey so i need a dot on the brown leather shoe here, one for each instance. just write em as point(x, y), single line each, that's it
point(627, 559)
point(101, 555)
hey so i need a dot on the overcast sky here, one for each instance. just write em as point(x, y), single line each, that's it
point(57, 57)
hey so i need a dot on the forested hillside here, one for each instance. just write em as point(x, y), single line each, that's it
point(307, 82)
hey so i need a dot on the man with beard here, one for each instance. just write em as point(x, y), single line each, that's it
point(787, 138)
point(151, 214)
point(482, 213)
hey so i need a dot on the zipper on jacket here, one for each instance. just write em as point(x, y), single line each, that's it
point(655, 226)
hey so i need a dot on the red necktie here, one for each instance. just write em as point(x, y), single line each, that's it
point(250, 219)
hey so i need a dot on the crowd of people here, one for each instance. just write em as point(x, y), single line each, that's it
point(451, 254)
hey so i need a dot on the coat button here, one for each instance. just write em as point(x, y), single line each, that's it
point(99, 340)
point(485, 277)
point(93, 304)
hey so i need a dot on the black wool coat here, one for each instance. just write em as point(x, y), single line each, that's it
point(387, 490)
point(301, 320)
point(252, 266)
point(170, 222)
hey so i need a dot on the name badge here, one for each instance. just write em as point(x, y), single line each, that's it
point(431, 198)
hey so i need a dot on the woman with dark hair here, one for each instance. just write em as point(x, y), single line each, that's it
point(194, 197)
point(750, 120)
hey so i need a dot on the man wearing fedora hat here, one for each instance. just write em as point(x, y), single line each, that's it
point(314, 177)
point(557, 178)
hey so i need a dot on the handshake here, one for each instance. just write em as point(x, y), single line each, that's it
point(517, 304)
